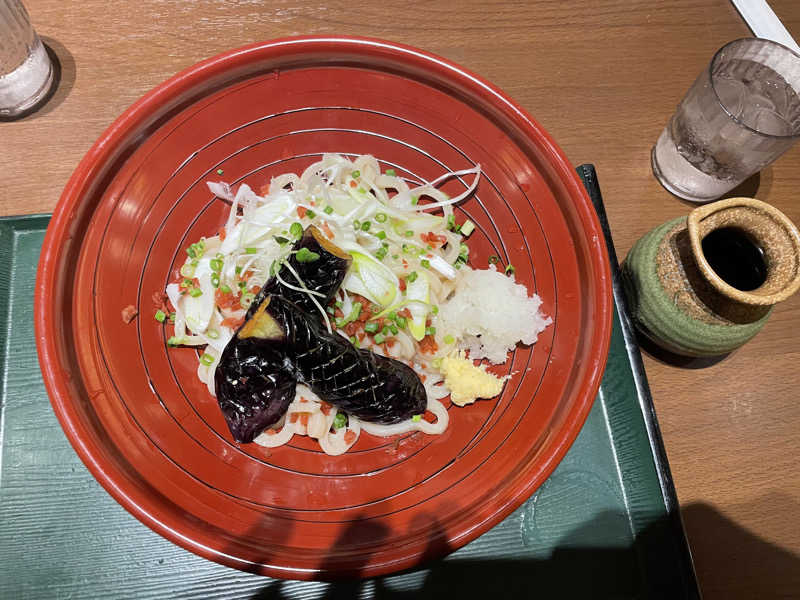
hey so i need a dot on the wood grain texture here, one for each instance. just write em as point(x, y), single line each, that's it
point(603, 78)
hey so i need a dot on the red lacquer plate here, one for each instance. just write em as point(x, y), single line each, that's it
point(148, 429)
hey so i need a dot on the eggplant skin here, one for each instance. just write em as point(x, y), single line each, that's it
point(323, 275)
point(254, 387)
point(371, 387)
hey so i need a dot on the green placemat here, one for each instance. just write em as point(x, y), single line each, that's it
point(604, 525)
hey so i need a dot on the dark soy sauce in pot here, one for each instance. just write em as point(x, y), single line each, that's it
point(735, 257)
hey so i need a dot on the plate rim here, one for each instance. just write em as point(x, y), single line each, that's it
point(56, 377)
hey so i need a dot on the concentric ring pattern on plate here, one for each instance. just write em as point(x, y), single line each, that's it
point(149, 430)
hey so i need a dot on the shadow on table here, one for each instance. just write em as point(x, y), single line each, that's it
point(676, 360)
point(734, 564)
point(579, 567)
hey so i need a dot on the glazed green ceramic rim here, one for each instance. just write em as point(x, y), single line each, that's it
point(659, 316)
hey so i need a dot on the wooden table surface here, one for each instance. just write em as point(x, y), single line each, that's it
point(602, 76)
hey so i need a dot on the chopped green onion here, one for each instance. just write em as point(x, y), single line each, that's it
point(435, 309)
point(391, 173)
point(220, 171)
point(493, 259)
point(365, 226)
point(340, 420)
point(353, 340)
point(425, 263)
point(356, 224)
point(412, 277)
point(207, 359)
point(355, 174)
point(338, 304)
point(296, 230)
point(215, 279)
point(281, 240)
point(361, 190)
point(416, 418)
point(250, 250)
point(225, 288)
point(395, 256)
point(238, 270)
point(392, 316)
point(330, 310)
point(407, 248)
point(219, 256)
point(213, 334)
point(380, 254)
point(216, 265)
point(243, 284)
point(371, 326)
point(430, 331)
point(409, 233)
point(328, 210)
point(310, 214)
point(172, 317)
point(340, 322)
point(414, 200)
point(451, 222)
point(174, 341)
point(385, 331)
point(380, 217)
point(273, 269)
point(401, 322)
point(304, 255)
point(247, 299)
point(510, 269)
point(187, 270)
point(467, 228)
point(448, 339)
point(195, 292)
point(355, 312)
point(379, 338)
point(160, 316)
point(393, 329)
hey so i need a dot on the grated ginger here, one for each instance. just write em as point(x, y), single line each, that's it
point(467, 382)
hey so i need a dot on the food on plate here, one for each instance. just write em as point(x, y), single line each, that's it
point(468, 382)
point(339, 300)
point(280, 345)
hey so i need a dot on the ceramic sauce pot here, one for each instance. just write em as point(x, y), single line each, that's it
point(705, 284)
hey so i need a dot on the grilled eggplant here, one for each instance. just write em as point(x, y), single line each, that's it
point(280, 345)
point(323, 275)
point(283, 342)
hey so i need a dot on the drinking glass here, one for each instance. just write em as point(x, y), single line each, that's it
point(26, 72)
point(741, 113)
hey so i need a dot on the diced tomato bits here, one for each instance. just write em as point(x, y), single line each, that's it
point(353, 184)
point(428, 345)
point(327, 230)
point(301, 211)
point(352, 328)
point(349, 437)
point(390, 343)
point(404, 313)
point(402, 285)
point(161, 302)
point(338, 312)
point(303, 399)
point(232, 322)
point(246, 275)
point(405, 263)
point(222, 234)
point(325, 408)
point(183, 285)
point(254, 290)
point(129, 313)
point(226, 299)
point(432, 238)
point(423, 377)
